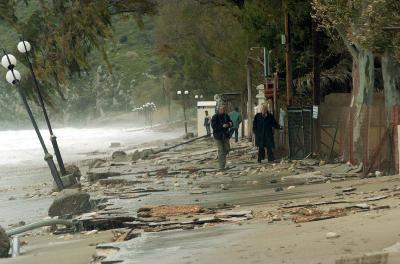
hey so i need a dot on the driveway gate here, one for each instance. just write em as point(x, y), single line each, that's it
point(300, 131)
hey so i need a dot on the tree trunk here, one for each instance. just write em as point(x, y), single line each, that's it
point(391, 84)
point(363, 90)
point(249, 104)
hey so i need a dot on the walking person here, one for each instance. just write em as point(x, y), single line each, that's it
point(236, 120)
point(263, 125)
point(221, 122)
point(207, 123)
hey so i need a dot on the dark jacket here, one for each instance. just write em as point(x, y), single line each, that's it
point(263, 130)
point(207, 120)
point(217, 122)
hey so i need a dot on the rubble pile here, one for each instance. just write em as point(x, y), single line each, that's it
point(4, 243)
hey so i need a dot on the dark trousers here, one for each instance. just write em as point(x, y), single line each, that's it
point(208, 128)
point(261, 154)
point(236, 131)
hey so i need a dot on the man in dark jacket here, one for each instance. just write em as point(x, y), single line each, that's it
point(263, 125)
point(220, 123)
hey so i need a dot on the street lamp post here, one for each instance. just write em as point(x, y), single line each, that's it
point(185, 93)
point(147, 109)
point(25, 47)
point(267, 72)
point(146, 114)
point(14, 78)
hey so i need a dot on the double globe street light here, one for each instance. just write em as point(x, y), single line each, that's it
point(24, 47)
point(149, 108)
point(197, 97)
point(147, 111)
point(13, 76)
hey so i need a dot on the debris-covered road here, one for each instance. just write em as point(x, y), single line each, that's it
point(176, 206)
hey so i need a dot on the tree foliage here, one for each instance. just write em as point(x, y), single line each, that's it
point(64, 32)
point(203, 46)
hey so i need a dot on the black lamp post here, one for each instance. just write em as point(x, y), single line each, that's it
point(25, 47)
point(14, 78)
point(185, 93)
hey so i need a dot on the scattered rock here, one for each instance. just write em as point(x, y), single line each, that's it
point(115, 145)
point(135, 155)
point(331, 235)
point(349, 189)
point(4, 243)
point(204, 185)
point(93, 176)
point(92, 232)
point(146, 153)
point(74, 170)
point(189, 135)
point(120, 236)
point(119, 155)
point(159, 182)
point(70, 202)
point(363, 206)
point(291, 187)
point(96, 163)
point(308, 177)
point(106, 182)
point(276, 218)
point(68, 237)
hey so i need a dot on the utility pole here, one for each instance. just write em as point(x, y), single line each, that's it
point(316, 81)
point(249, 103)
point(242, 109)
point(316, 65)
point(288, 51)
point(167, 96)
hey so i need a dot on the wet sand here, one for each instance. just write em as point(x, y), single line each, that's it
point(62, 249)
